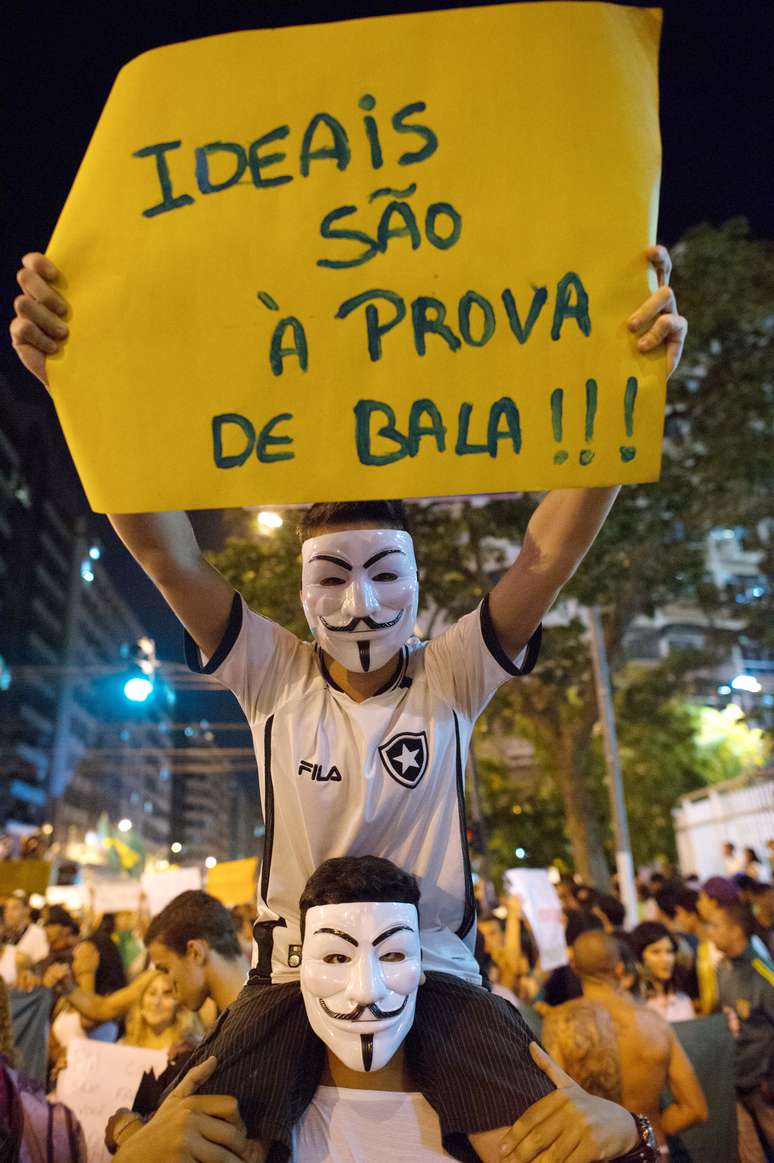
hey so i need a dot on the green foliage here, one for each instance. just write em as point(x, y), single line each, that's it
point(266, 569)
point(727, 745)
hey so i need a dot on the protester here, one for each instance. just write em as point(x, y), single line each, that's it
point(244, 918)
point(25, 941)
point(97, 965)
point(731, 862)
point(746, 988)
point(656, 951)
point(128, 941)
point(158, 1020)
point(563, 983)
point(620, 1050)
point(752, 865)
point(707, 956)
point(350, 908)
point(359, 573)
point(763, 911)
point(32, 1129)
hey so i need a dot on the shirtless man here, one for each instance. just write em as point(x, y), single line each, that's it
point(620, 1050)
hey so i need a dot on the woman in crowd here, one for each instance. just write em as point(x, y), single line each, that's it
point(655, 949)
point(158, 1021)
point(752, 864)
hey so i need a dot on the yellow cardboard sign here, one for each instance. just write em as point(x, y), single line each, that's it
point(233, 881)
point(383, 257)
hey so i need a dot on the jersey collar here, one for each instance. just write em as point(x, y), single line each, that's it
point(397, 679)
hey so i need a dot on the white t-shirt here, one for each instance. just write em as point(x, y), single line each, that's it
point(367, 1126)
point(33, 944)
point(384, 777)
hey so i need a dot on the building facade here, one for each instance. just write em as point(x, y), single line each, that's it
point(62, 628)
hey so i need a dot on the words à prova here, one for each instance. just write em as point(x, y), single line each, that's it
point(476, 320)
point(325, 138)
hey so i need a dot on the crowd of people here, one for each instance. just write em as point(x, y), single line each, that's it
point(361, 738)
point(608, 1015)
point(697, 949)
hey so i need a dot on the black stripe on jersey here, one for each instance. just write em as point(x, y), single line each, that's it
point(265, 938)
point(489, 634)
point(192, 656)
point(469, 916)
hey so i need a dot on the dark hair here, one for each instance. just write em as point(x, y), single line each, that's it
point(648, 933)
point(667, 901)
point(386, 514)
point(751, 854)
point(580, 921)
point(357, 878)
point(107, 925)
point(738, 913)
point(57, 915)
point(614, 910)
point(657, 878)
point(195, 916)
point(688, 899)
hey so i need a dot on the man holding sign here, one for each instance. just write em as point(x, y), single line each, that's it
point(356, 741)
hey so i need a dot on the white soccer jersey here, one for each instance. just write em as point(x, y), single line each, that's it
point(384, 777)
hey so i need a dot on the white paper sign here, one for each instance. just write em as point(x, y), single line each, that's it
point(162, 887)
point(115, 896)
point(98, 1079)
point(70, 896)
point(542, 909)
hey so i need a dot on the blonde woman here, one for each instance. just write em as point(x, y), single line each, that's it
point(158, 1020)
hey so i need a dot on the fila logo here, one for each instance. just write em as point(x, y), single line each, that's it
point(316, 772)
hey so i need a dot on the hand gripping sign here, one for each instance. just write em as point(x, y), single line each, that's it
point(384, 257)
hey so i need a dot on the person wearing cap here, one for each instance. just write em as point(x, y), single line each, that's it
point(28, 940)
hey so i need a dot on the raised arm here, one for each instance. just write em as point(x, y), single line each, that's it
point(163, 544)
point(688, 1105)
point(101, 1008)
point(566, 522)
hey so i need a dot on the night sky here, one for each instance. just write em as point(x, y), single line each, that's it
point(60, 62)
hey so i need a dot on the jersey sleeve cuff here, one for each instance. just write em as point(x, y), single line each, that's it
point(193, 656)
point(529, 654)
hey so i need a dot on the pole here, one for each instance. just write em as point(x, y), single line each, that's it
point(623, 849)
point(60, 769)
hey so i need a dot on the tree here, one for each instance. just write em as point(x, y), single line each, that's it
point(651, 552)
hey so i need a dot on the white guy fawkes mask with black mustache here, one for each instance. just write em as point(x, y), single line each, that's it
point(360, 593)
point(360, 970)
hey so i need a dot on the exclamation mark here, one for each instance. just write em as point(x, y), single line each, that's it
point(587, 454)
point(557, 407)
point(628, 452)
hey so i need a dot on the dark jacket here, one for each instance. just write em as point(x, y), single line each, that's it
point(746, 985)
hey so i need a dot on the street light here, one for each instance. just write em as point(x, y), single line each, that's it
point(125, 825)
point(746, 682)
point(210, 862)
point(138, 689)
point(267, 520)
point(176, 847)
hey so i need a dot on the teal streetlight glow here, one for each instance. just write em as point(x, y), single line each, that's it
point(138, 689)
